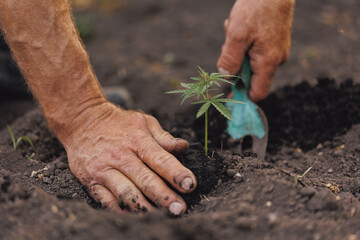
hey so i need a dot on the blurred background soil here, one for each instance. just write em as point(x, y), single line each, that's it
point(149, 46)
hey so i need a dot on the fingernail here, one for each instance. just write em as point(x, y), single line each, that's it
point(186, 183)
point(223, 71)
point(176, 208)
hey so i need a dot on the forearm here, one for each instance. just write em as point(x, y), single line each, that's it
point(46, 46)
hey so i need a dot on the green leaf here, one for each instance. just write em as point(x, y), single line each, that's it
point(187, 85)
point(222, 109)
point(224, 80)
point(176, 91)
point(198, 102)
point(12, 137)
point(216, 96)
point(229, 100)
point(25, 138)
point(203, 109)
point(196, 78)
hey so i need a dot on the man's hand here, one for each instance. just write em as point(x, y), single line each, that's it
point(263, 29)
point(123, 156)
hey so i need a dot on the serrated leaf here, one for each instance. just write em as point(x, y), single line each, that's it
point(196, 78)
point(222, 109)
point(176, 91)
point(216, 96)
point(198, 102)
point(224, 80)
point(229, 100)
point(203, 109)
point(187, 85)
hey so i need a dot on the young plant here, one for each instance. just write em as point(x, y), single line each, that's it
point(204, 84)
point(18, 141)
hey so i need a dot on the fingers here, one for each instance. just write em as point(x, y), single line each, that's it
point(103, 196)
point(264, 66)
point(166, 165)
point(128, 196)
point(151, 184)
point(164, 139)
point(233, 50)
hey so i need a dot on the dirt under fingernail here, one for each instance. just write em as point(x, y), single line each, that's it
point(187, 184)
point(175, 208)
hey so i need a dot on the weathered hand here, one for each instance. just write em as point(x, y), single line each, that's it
point(121, 156)
point(263, 29)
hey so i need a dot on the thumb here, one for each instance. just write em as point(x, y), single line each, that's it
point(232, 52)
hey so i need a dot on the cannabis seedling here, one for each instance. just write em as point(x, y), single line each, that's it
point(200, 90)
point(17, 141)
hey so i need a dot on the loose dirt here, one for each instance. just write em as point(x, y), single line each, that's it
point(151, 46)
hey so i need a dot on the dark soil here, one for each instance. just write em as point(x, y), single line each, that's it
point(313, 124)
point(237, 195)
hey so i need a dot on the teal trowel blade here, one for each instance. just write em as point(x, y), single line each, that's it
point(247, 119)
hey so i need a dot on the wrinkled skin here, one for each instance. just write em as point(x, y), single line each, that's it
point(114, 154)
point(120, 156)
point(263, 29)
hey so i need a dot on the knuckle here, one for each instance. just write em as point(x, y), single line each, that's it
point(164, 160)
point(146, 180)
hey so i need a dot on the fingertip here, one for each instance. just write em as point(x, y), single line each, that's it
point(181, 145)
point(256, 95)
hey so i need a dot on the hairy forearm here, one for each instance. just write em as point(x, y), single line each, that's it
point(47, 48)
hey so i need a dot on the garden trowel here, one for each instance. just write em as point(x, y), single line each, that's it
point(247, 119)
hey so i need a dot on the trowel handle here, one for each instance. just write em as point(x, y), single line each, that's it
point(245, 74)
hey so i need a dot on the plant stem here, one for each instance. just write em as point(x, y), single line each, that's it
point(206, 133)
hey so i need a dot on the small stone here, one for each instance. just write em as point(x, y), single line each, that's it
point(307, 192)
point(248, 197)
point(46, 180)
point(238, 178)
point(244, 208)
point(320, 154)
point(245, 223)
point(272, 219)
point(319, 146)
point(268, 188)
point(268, 204)
point(338, 152)
point(61, 165)
point(330, 170)
point(231, 172)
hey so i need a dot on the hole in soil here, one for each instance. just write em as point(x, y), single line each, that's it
point(301, 115)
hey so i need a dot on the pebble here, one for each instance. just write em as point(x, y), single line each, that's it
point(46, 180)
point(244, 208)
point(245, 223)
point(307, 192)
point(231, 172)
point(238, 178)
point(268, 204)
point(330, 170)
point(268, 188)
point(272, 219)
point(61, 165)
point(319, 146)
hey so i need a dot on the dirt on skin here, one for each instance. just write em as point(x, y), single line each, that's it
point(149, 46)
point(237, 196)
